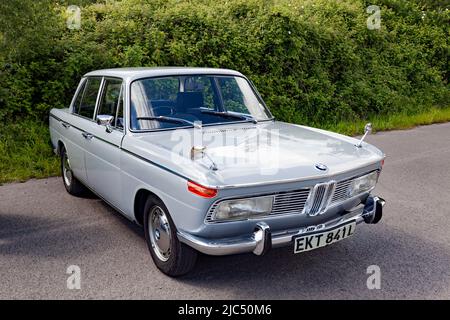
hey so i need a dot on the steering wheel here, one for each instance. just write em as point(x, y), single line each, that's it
point(164, 110)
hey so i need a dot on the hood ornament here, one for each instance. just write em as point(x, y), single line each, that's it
point(321, 167)
point(367, 130)
point(198, 149)
point(199, 152)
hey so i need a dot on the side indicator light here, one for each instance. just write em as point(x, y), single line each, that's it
point(201, 190)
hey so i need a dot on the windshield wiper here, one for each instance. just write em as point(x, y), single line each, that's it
point(170, 119)
point(230, 115)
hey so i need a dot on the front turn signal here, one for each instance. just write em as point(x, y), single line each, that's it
point(201, 191)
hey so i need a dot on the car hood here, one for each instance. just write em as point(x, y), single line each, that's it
point(258, 153)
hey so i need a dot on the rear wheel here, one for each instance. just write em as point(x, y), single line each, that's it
point(73, 186)
point(170, 255)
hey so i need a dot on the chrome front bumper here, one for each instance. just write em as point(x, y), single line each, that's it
point(262, 239)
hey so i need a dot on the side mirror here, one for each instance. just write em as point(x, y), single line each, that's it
point(105, 120)
point(367, 130)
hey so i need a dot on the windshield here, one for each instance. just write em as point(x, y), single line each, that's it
point(176, 101)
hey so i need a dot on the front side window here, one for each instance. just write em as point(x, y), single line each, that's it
point(111, 101)
point(87, 105)
point(178, 101)
point(119, 122)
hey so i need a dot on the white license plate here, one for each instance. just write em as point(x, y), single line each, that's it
point(322, 239)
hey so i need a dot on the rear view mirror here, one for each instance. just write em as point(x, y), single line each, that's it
point(105, 120)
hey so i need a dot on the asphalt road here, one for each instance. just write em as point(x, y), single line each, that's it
point(43, 230)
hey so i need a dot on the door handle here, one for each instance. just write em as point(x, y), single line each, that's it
point(65, 125)
point(87, 136)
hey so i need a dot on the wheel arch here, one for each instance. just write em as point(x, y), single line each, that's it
point(59, 147)
point(139, 203)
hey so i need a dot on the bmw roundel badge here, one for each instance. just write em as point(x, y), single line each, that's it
point(321, 167)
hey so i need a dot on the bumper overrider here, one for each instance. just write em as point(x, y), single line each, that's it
point(262, 239)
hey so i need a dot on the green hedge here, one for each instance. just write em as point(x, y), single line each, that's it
point(314, 61)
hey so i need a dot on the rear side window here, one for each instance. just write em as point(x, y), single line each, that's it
point(87, 106)
point(77, 102)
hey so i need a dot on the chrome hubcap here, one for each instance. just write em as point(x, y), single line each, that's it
point(159, 231)
point(67, 171)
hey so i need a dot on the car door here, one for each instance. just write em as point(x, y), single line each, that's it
point(73, 141)
point(103, 143)
point(82, 109)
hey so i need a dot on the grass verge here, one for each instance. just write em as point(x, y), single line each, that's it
point(25, 150)
point(393, 122)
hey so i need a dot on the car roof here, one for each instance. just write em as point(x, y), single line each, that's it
point(139, 73)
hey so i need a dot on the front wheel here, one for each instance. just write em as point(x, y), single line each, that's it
point(170, 255)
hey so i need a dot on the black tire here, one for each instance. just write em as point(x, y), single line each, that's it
point(180, 258)
point(72, 185)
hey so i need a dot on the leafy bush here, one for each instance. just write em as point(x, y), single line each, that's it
point(314, 61)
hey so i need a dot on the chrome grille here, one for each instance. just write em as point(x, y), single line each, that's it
point(285, 202)
point(312, 201)
point(341, 192)
point(211, 211)
point(320, 198)
point(290, 202)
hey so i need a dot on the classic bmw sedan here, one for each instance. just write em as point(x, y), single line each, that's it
point(195, 157)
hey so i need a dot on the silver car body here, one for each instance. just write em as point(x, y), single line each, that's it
point(121, 164)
